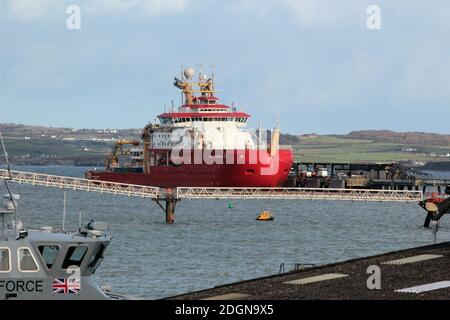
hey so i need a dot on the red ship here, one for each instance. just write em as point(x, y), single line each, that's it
point(203, 144)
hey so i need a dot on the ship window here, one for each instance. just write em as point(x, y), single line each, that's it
point(5, 258)
point(75, 256)
point(49, 253)
point(96, 257)
point(27, 263)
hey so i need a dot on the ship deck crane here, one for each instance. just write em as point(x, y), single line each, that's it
point(113, 159)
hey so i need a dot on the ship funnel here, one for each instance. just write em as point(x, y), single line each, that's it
point(275, 140)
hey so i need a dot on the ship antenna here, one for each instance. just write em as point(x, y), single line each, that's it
point(184, 79)
point(8, 167)
point(212, 76)
point(200, 66)
point(11, 197)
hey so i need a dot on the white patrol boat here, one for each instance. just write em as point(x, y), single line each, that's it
point(49, 265)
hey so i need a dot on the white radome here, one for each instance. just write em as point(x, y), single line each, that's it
point(189, 72)
point(205, 77)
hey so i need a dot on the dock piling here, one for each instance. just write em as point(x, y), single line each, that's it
point(171, 202)
point(170, 210)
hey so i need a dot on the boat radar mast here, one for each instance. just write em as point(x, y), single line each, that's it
point(10, 199)
point(204, 85)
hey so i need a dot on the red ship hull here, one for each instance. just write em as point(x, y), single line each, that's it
point(272, 172)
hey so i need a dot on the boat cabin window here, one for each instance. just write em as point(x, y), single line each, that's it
point(74, 256)
point(48, 253)
point(5, 258)
point(27, 263)
point(96, 257)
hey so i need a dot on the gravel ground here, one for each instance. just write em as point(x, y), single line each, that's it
point(393, 277)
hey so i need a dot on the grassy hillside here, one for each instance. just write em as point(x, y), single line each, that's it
point(350, 149)
point(404, 138)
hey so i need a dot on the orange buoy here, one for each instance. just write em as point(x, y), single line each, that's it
point(265, 216)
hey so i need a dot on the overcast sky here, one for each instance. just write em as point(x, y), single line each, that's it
point(313, 61)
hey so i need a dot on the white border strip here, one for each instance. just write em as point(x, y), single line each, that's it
point(418, 258)
point(426, 287)
point(323, 277)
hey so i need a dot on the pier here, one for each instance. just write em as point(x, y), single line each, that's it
point(167, 199)
point(416, 273)
point(391, 176)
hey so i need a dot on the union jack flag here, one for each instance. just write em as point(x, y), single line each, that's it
point(66, 286)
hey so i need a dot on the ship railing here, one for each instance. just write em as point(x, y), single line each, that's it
point(285, 147)
point(300, 193)
point(73, 183)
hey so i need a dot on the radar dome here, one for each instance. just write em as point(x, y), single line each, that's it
point(205, 77)
point(189, 73)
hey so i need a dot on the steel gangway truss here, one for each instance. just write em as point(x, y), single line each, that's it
point(71, 183)
point(300, 194)
point(172, 196)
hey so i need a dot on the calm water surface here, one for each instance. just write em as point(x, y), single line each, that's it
point(211, 244)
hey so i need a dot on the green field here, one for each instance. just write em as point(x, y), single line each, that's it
point(335, 149)
point(45, 150)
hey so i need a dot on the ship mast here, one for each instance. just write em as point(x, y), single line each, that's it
point(204, 85)
point(10, 204)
